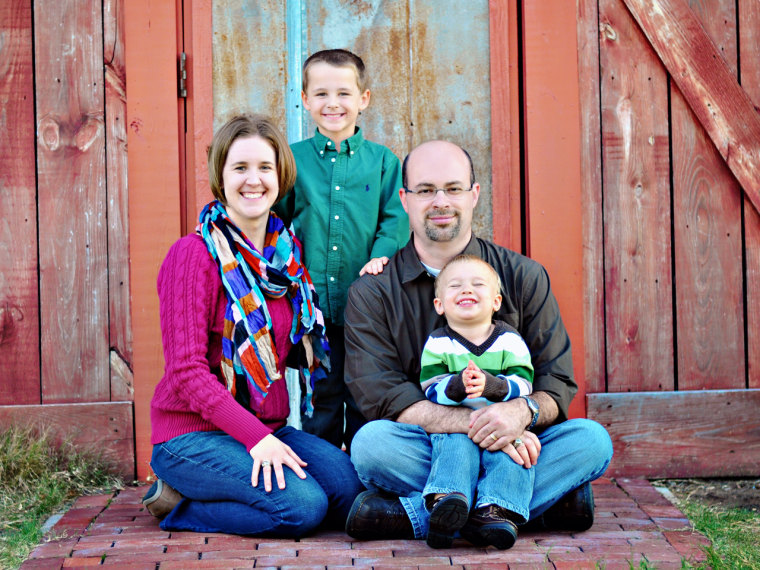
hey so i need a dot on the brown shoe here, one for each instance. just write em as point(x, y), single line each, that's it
point(490, 525)
point(161, 499)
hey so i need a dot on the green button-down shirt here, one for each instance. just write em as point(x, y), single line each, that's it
point(345, 208)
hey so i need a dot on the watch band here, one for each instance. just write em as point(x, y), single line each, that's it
point(534, 408)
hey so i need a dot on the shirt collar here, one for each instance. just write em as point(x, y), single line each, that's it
point(323, 144)
point(412, 267)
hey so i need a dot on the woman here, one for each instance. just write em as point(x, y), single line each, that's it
point(236, 305)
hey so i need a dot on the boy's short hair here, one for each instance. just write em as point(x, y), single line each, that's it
point(337, 58)
point(244, 126)
point(468, 258)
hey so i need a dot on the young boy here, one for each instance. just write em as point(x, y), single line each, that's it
point(474, 362)
point(346, 210)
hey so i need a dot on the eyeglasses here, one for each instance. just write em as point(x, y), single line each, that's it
point(430, 193)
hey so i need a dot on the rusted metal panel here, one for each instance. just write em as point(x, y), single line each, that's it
point(250, 59)
point(707, 236)
point(427, 62)
point(749, 47)
point(635, 177)
point(19, 340)
point(72, 201)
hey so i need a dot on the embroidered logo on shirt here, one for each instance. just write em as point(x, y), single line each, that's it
point(366, 188)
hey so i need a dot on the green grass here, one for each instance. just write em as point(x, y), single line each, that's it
point(734, 535)
point(37, 479)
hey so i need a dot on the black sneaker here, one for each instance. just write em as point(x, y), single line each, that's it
point(378, 516)
point(447, 515)
point(490, 525)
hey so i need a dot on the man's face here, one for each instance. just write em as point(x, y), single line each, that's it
point(440, 217)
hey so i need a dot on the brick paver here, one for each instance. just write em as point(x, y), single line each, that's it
point(633, 524)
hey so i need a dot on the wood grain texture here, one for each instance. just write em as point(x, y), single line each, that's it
point(711, 433)
point(103, 429)
point(72, 201)
point(591, 192)
point(722, 107)
point(120, 322)
point(707, 236)
point(505, 129)
point(749, 47)
point(19, 316)
point(635, 178)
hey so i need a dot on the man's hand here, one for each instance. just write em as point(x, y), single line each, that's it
point(498, 426)
point(474, 380)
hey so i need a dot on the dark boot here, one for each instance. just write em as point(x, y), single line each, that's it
point(491, 525)
point(447, 515)
point(574, 512)
point(378, 516)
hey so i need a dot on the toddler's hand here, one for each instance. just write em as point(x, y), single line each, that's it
point(374, 266)
point(474, 380)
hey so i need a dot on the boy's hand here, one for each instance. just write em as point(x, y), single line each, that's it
point(374, 266)
point(474, 380)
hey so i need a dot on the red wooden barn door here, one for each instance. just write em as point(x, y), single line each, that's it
point(65, 345)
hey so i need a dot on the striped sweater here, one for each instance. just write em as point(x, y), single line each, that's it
point(504, 357)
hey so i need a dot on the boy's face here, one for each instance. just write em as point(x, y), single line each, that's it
point(333, 99)
point(467, 295)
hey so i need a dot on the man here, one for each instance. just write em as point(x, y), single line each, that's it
point(388, 319)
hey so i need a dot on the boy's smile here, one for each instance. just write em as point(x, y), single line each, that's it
point(333, 99)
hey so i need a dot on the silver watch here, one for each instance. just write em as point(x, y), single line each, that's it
point(533, 407)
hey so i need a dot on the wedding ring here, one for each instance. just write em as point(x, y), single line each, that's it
point(265, 464)
point(517, 443)
point(494, 437)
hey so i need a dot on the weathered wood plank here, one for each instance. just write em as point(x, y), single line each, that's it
point(749, 48)
point(635, 178)
point(19, 316)
point(102, 428)
point(450, 88)
point(722, 107)
point(591, 188)
point(712, 433)
point(505, 116)
point(72, 201)
point(120, 323)
point(707, 236)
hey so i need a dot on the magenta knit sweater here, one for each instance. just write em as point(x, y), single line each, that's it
point(190, 396)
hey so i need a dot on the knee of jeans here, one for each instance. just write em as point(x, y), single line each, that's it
point(309, 513)
point(365, 453)
point(598, 440)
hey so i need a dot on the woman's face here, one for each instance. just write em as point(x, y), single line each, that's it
point(250, 182)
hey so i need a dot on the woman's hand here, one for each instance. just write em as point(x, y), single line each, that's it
point(270, 453)
point(374, 266)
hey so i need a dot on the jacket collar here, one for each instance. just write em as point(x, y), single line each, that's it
point(411, 266)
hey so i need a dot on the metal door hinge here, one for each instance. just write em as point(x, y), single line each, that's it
point(182, 76)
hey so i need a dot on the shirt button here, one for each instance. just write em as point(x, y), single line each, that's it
point(335, 248)
point(337, 217)
point(337, 187)
point(332, 278)
point(329, 143)
point(352, 152)
point(332, 160)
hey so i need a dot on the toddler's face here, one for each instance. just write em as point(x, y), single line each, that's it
point(334, 100)
point(468, 294)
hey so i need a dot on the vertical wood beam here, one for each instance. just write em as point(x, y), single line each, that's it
point(552, 163)
point(154, 182)
point(505, 129)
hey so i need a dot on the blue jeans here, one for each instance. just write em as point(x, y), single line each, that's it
point(459, 465)
point(212, 470)
point(395, 457)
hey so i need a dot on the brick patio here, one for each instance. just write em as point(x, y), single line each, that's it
point(634, 522)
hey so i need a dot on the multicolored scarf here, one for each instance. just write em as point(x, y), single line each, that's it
point(249, 355)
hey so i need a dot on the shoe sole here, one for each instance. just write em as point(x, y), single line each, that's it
point(502, 537)
point(448, 516)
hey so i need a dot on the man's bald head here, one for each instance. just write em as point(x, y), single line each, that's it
point(435, 147)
